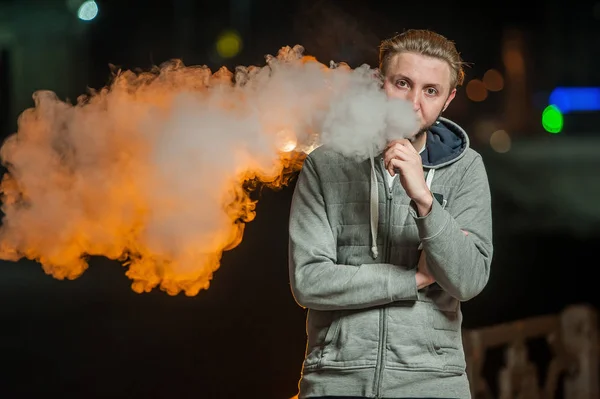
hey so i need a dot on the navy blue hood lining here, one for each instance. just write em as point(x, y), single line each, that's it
point(446, 142)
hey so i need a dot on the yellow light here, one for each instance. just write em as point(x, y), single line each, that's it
point(229, 44)
point(493, 80)
point(500, 141)
point(476, 90)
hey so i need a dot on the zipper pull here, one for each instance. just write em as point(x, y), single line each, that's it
point(385, 179)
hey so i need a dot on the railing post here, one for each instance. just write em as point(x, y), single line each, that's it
point(518, 379)
point(580, 336)
point(475, 356)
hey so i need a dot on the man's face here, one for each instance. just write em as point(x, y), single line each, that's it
point(422, 80)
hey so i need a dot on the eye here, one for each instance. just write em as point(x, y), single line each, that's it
point(402, 83)
point(431, 91)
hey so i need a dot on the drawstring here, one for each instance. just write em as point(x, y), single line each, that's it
point(429, 178)
point(374, 207)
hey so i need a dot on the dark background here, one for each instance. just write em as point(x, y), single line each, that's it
point(244, 337)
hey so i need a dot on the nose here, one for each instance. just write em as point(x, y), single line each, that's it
point(414, 98)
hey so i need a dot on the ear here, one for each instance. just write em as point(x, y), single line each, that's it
point(449, 99)
point(379, 77)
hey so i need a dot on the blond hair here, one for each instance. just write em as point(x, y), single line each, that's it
point(426, 43)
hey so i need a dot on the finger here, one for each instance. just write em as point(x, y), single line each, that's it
point(397, 143)
point(395, 153)
point(405, 143)
point(388, 153)
point(387, 156)
point(395, 166)
point(401, 154)
point(402, 143)
point(389, 166)
point(398, 151)
point(394, 143)
point(405, 152)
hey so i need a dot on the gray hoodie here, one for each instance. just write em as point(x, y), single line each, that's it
point(354, 247)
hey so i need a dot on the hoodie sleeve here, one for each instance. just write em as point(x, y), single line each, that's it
point(317, 280)
point(460, 263)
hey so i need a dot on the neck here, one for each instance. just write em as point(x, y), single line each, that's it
point(419, 140)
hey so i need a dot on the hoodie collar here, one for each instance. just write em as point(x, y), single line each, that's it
point(447, 142)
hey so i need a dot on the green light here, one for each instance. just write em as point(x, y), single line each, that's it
point(552, 119)
point(88, 10)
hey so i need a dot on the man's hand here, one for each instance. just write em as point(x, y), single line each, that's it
point(401, 157)
point(423, 277)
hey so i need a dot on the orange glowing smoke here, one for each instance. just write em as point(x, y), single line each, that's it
point(155, 169)
point(152, 170)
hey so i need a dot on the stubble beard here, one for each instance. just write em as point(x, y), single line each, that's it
point(424, 129)
point(417, 136)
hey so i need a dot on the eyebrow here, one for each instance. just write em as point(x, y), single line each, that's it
point(409, 80)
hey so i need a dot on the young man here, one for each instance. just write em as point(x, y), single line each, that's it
point(382, 253)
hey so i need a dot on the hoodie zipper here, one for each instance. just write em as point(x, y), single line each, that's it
point(379, 368)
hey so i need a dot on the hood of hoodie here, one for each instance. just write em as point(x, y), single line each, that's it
point(446, 143)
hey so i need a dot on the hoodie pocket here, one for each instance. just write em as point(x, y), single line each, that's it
point(445, 327)
point(321, 329)
point(352, 340)
point(410, 338)
point(332, 331)
point(330, 336)
point(447, 339)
